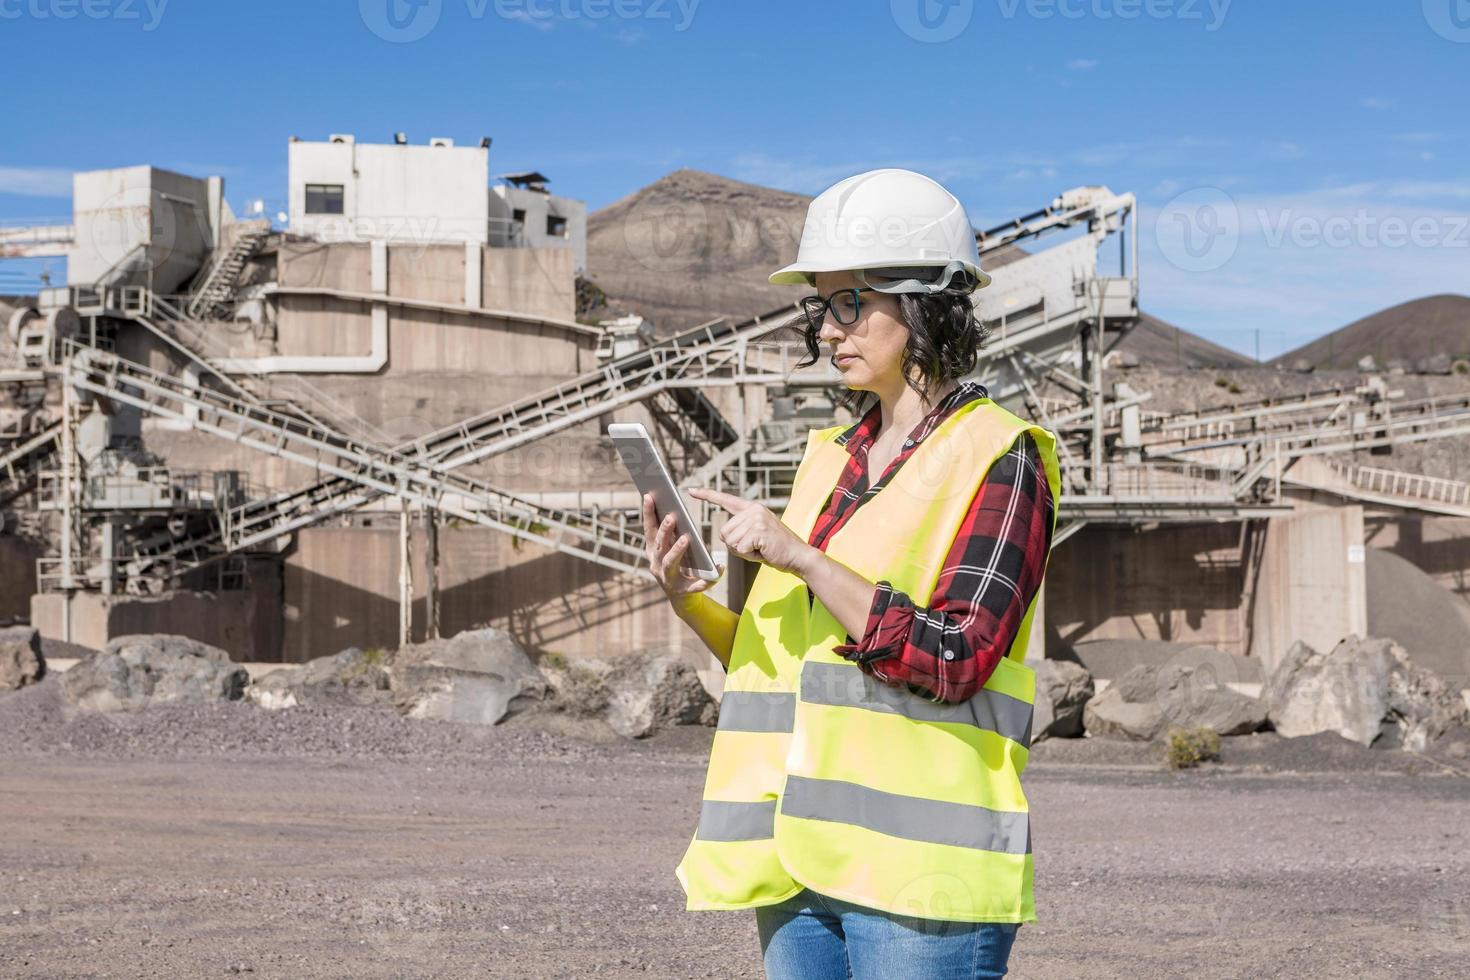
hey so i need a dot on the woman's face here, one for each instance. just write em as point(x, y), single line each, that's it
point(869, 352)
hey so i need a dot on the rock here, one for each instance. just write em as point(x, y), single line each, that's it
point(636, 695)
point(351, 677)
point(1397, 366)
point(1194, 697)
point(478, 676)
point(447, 694)
point(1367, 363)
point(133, 672)
point(21, 661)
point(1303, 366)
point(1109, 713)
point(1364, 689)
point(482, 651)
point(1149, 698)
point(1062, 691)
point(654, 691)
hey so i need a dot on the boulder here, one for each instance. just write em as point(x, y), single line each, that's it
point(1062, 691)
point(1397, 366)
point(1366, 363)
point(1149, 698)
point(1303, 366)
point(447, 694)
point(133, 672)
point(482, 651)
point(1110, 713)
point(1364, 690)
point(478, 676)
point(637, 695)
point(351, 677)
point(21, 661)
point(654, 691)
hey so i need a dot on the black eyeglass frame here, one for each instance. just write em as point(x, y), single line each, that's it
point(816, 307)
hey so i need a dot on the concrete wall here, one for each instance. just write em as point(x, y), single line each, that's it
point(246, 624)
point(400, 194)
point(1312, 584)
point(1176, 583)
point(342, 590)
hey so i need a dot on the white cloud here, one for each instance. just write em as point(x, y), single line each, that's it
point(1378, 104)
point(35, 181)
point(1082, 64)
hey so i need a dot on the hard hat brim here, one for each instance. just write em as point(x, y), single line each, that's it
point(804, 273)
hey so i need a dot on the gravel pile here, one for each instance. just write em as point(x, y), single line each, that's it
point(38, 722)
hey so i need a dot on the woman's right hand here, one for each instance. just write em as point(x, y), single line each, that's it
point(666, 554)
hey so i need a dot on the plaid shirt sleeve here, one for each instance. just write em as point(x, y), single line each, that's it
point(948, 650)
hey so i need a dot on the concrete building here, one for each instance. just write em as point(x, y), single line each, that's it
point(524, 212)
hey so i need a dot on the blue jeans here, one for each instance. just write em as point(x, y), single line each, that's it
point(816, 937)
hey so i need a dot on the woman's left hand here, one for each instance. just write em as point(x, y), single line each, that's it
point(756, 534)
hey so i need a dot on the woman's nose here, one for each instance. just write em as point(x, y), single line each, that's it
point(829, 331)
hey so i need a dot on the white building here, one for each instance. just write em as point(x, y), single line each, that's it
point(343, 190)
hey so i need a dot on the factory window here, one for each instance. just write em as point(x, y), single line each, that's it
point(518, 216)
point(556, 226)
point(324, 199)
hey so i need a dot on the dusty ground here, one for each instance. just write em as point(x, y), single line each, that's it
point(322, 843)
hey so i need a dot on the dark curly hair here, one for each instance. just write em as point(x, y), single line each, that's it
point(945, 339)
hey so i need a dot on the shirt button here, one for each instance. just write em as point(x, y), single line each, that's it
point(949, 655)
point(908, 444)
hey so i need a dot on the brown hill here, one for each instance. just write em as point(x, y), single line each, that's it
point(1157, 343)
point(693, 246)
point(1410, 331)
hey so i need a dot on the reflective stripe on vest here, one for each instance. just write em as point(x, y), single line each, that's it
point(823, 777)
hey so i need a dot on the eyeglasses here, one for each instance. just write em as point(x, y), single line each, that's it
point(844, 304)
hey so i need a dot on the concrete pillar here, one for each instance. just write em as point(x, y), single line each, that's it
point(405, 574)
point(1312, 583)
point(431, 574)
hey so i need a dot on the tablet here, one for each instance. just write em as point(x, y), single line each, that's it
point(643, 461)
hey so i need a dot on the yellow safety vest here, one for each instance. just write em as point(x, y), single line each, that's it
point(823, 777)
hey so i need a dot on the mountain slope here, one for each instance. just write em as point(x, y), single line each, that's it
point(1409, 331)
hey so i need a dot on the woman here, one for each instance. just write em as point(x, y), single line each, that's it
point(863, 793)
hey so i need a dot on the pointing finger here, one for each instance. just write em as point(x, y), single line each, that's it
point(728, 501)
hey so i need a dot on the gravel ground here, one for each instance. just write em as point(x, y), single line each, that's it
point(224, 840)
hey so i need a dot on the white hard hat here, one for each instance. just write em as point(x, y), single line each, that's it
point(901, 227)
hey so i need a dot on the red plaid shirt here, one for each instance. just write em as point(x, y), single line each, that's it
point(946, 651)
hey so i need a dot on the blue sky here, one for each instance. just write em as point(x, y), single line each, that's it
point(1297, 163)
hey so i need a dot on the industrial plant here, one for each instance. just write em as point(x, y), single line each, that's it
point(378, 417)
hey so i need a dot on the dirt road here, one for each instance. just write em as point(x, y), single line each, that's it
point(313, 843)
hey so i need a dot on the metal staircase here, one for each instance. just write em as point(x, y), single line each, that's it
point(217, 287)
